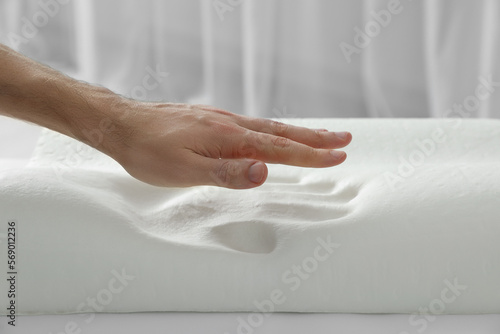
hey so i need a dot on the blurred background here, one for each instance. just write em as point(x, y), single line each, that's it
point(274, 58)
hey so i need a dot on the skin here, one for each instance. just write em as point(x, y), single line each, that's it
point(163, 144)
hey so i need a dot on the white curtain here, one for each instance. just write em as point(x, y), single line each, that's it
point(275, 58)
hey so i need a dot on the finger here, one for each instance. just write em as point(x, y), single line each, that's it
point(229, 173)
point(318, 138)
point(274, 149)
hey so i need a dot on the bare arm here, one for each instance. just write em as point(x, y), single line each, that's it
point(38, 94)
point(162, 144)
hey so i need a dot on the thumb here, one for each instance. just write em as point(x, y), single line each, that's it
point(232, 173)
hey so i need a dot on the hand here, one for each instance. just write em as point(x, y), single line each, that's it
point(186, 145)
point(161, 144)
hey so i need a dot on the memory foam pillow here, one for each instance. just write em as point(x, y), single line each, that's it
point(409, 223)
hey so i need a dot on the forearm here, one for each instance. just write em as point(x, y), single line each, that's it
point(38, 94)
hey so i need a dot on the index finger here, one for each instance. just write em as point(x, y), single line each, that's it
point(282, 150)
point(318, 138)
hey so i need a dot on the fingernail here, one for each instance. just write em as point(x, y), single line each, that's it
point(342, 135)
point(338, 155)
point(256, 172)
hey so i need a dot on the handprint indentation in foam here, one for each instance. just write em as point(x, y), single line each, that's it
point(243, 221)
point(289, 203)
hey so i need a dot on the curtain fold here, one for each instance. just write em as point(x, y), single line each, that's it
point(273, 58)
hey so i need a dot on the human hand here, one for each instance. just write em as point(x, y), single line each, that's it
point(186, 145)
point(159, 143)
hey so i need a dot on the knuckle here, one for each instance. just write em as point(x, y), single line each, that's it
point(225, 173)
point(316, 156)
point(253, 139)
point(247, 146)
point(318, 138)
point(223, 128)
point(281, 142)
point(279, 128)
point(244, 150)
point(222, 173)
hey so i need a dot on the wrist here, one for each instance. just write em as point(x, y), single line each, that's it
point(91, 114)
point(101, 119)
point(39, 94)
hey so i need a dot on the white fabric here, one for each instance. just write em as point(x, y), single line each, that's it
point(362, 242)
point(276, 58)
